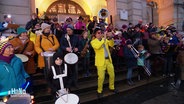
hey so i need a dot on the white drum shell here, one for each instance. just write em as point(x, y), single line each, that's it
point(72, 99)
point(71, 58)
point(48, 59)
point(23, 57)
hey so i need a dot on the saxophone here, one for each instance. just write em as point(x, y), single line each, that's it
point(85, 49)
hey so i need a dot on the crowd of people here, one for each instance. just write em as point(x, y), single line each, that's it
point(143, 46)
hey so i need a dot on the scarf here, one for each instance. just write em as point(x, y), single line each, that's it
point(6, 59)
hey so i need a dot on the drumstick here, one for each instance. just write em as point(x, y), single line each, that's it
point(68, 39)
point(54, 72)
point(27, 85)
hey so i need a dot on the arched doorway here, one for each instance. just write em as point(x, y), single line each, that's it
point(66, 8)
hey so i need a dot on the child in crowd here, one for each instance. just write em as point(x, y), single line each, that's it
point(59, 69)
point(142, 61)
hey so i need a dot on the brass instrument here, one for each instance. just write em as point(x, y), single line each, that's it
point(136, 54)
point(134, 51)
point(85, 50)
point(103, 13)
point(117, 47)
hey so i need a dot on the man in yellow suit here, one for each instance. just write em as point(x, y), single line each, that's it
point(103, 60)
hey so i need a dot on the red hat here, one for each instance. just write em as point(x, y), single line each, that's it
point(124, 26)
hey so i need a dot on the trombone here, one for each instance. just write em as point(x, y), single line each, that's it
point(136, 54)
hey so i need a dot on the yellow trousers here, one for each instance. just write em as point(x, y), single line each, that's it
point(101, 75)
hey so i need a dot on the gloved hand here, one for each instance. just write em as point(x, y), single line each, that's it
point(5, 25)
point(28, 79)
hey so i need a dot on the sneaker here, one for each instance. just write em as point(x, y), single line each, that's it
point(87, 74)
point(130, 83)
point(171, 75)
point(164, 75)
point(115, 91)
point(99, 95)
point(139, 77)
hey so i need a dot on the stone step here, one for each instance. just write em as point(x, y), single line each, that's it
point(86, 85)
point(40, 86)
point(40, 82)
point(90, 97)
point(92, 84)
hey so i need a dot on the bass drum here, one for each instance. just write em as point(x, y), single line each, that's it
point(68, 99)
point(71, 58)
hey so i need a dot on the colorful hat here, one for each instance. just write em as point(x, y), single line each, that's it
point(124, 26)
point(3, 44)
point(70, 26)
point(44, 26)
point(128, 42)
point(80, 17)
point(21, 30)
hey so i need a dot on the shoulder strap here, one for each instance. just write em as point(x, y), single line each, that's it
point(53, 39)
point(24, 47)
point(41, 42)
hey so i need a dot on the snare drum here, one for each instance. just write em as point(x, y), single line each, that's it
point(71, 58)
point(19, 99)
point(23, 57)
point(72, 99)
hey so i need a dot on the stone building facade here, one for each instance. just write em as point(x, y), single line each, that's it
point(165, 12)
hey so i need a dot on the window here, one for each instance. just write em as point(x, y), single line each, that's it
point(61, 8)
point(65, 7)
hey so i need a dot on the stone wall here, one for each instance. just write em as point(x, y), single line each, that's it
point(166, 12)
point(136, 11)
point(19, 9)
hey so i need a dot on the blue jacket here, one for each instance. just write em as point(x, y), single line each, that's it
point(74, 41)
point(12, 75)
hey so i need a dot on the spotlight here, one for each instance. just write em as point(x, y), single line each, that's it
point(9, 15)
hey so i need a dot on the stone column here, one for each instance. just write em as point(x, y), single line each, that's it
point(135, 10)
point(121, 5)
point(178, 13)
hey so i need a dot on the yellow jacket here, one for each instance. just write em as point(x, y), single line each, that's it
point(99, 50)
point(32, 37)
point(45, 44)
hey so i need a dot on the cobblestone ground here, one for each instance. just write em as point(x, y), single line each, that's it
point(159, 93)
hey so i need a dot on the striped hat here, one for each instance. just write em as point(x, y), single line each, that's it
point(3, 44)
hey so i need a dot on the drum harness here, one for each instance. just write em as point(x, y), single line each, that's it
point(47, 39)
